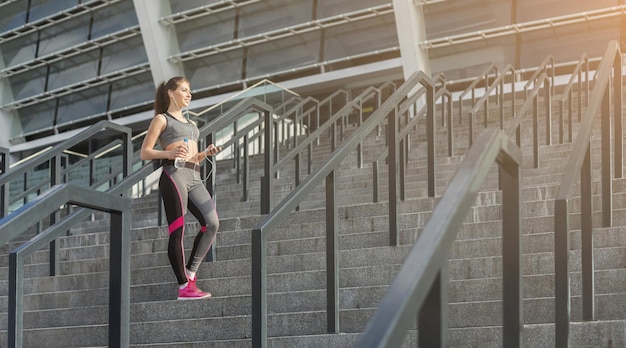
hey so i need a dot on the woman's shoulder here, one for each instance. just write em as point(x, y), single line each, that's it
point(160, 118)
point(159, 122)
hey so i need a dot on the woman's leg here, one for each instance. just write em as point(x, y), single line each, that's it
point(202, 207)
point(174, 184)
point(174, 196)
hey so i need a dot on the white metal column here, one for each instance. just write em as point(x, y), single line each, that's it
point(8, 118)
point(159, 39)
point(411, 29)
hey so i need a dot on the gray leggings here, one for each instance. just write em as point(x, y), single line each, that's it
point(182, 189)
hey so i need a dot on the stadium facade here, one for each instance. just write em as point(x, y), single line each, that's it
point(67, 64)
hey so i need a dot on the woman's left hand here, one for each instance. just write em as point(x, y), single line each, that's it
point(211, 150)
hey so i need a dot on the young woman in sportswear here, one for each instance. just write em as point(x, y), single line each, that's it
point(181, 188)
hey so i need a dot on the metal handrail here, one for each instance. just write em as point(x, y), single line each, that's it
point(406, 106)
point(320, 105)
point(330, 125)
point(295, 114)
point(53, 158)
point(608, 81)
point(43, 185)
point(265, 123)
point(446, 110)
point(542, 68)
point(532, 100)
point(326, 173)
point(567, 95)
point(120, 212)
point(421, 284)
point(53, 155)
point(484, 76)
point(498, 83)
point(207, 134)
point(279, 161)
point(328, 103)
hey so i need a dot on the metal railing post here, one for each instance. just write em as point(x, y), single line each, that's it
point(586, 231)
point(16, 304)
point(418, 282)
point(607, 172)
point(432, 319)
point(562, 290)
point(119, 278)
point(618, 102)
point(54, 258)
point(547, 101)
point(120, 211)
point(510, 176)
point(268, 162)
point(4, 189)
point(332, 256)
point(580, 160)
point(259, 289)
point(392, 157)
point(431, 141)
point(246, 168)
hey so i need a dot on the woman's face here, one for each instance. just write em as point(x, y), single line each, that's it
point(181, 96)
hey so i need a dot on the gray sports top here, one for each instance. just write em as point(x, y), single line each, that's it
point(176, 130)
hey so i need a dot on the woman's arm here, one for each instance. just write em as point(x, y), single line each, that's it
point(148, 152)
point(210, 150)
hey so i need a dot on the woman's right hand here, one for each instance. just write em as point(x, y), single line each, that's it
point(180, 151)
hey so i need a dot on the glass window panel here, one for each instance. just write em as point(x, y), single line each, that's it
point(37, 117)
point(331, 8)
point(73, 70)
point(536, 10)
point(283, 54)
point(78, 105)
point(206, 31)
point(132, 91)
point(28, 84)
point(13, 15)
point(360, 37)
point(184, 5)
point(43, 8)
point(114, 18)
point(123, 54)
point(452, 18)
point(18, 51)
point(63, 35)
point(567, 43)
point(214, 70)
point(272, 15)
point(469, 60)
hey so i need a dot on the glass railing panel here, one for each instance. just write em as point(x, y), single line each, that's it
point(265, 91)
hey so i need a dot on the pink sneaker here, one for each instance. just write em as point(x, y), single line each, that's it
point(192, 282)
point(191, 292)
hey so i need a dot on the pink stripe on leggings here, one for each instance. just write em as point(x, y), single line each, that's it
point(178, 223)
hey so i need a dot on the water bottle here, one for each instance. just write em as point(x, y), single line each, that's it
point(179, 162)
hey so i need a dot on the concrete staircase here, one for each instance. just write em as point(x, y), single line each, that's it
point(71, 310)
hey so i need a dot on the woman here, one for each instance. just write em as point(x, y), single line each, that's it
point(181, 188)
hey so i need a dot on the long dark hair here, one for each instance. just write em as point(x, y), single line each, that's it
point(161, 99)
